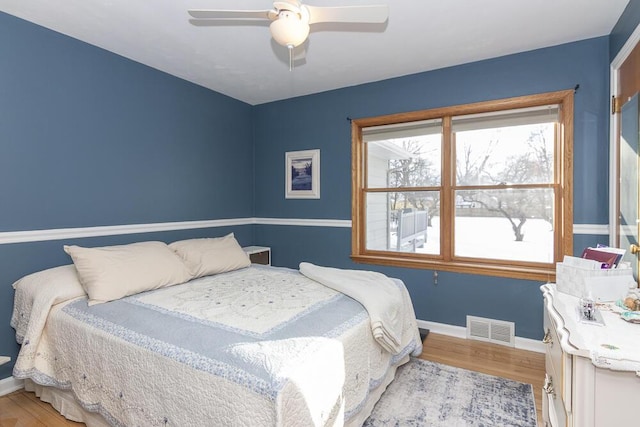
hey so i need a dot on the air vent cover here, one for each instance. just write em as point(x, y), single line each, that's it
point(491, 330)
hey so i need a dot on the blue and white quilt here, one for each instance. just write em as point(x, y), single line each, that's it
point(253, 347)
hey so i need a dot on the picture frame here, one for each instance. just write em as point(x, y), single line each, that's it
point(302, 172)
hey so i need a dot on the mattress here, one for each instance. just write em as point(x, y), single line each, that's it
point(259, 346)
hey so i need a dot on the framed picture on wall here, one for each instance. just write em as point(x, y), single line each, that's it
point(302, 172)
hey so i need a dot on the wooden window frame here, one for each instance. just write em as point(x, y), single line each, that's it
point(563, 186)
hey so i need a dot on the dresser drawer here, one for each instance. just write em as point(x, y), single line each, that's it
point(557, 362)
point(553, 396)
point(553, 348)
point(553, 411)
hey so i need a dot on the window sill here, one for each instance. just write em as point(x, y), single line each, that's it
point(536, 273)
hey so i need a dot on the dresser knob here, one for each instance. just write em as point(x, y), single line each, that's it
point(548, 386)
point(547, 337)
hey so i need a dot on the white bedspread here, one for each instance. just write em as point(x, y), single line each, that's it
point(34, 298)
point(387, 302)
point(198, 354)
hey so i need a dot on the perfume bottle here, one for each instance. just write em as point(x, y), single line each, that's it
point(588, 308)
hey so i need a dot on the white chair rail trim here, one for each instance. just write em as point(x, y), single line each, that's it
point(8, 237)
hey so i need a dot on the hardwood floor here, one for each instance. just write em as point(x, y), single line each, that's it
point(23, 409)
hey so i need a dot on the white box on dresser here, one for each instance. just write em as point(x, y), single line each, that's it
point(600, 285)
point(593, 372)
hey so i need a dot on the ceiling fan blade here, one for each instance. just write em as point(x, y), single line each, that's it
point(229, 14)
point(374, 14)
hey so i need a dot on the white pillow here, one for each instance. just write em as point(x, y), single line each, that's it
point(112, 272)
point(204, 257)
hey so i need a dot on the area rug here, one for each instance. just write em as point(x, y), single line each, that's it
point(430, 394)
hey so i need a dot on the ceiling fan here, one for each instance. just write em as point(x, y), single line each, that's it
point(291, 20)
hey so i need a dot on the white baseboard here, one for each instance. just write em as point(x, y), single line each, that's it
point(9, 385)
point(461, 332)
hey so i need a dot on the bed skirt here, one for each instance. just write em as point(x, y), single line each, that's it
point(64, 402)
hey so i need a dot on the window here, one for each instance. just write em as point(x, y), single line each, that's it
point(481, 188)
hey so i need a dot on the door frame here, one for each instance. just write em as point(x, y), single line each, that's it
point(614, 127)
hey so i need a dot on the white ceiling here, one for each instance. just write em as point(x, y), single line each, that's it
point(243, 62)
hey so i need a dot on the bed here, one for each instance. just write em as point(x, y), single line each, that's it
point(254, 345)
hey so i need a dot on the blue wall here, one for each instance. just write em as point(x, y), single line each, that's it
point(623, 29)
point(95, 139)
point(320, 121)
point(88, 138)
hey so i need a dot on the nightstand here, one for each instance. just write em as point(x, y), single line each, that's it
point(259, 254)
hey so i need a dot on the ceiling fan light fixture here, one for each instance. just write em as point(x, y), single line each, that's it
point(290, 19)
point(289, 29)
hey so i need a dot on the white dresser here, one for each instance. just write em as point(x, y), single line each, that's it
point(592, 372)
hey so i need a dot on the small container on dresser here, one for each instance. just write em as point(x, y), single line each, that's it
point(259, 254)
point(592, 368)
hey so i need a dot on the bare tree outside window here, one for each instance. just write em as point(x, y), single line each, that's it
point(530, 162)
point(418, 170)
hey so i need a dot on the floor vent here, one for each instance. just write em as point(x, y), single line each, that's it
point(490, 330)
